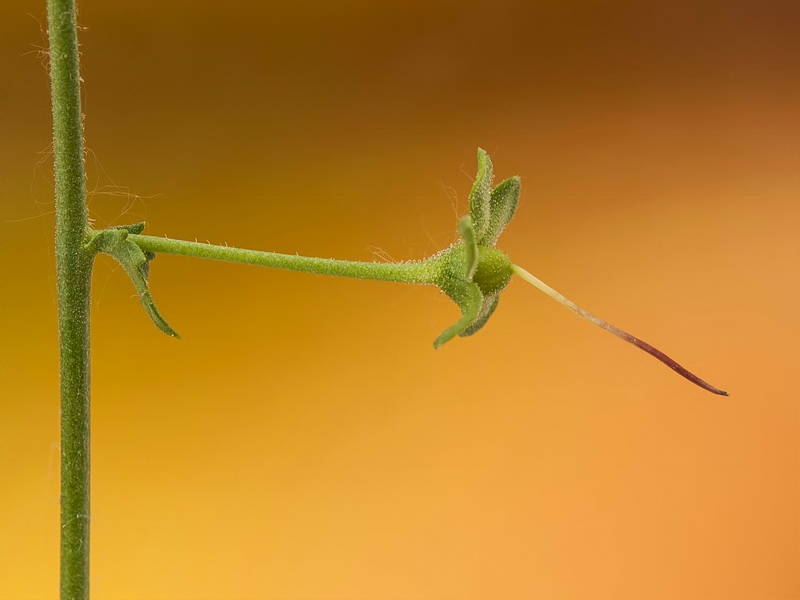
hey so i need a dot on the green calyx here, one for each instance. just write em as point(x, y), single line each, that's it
point(477, 294)
point(491, 274)
point(472, 272)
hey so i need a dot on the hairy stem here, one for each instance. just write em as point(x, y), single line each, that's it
point(624, 335)
point(73, 270)
point(422, 272)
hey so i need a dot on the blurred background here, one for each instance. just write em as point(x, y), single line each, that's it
point(303, 441)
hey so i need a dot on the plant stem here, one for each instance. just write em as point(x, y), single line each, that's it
point(422, 272)
point(73, 270)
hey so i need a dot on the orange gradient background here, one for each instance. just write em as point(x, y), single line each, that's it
point(303, 441)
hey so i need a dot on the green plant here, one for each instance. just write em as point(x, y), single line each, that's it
point(472, 272)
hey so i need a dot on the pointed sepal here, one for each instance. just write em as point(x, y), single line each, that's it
point(487, 309)
point(468, 297)
point(480, 196)
point(467, 232)
point(502, 205)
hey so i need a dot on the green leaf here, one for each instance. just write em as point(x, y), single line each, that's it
point(487, 308)
point(137, 265)
point(135, 228)
point(502, 204)
point(468, 297)
point(480, 196)
point(467, 232)
point(136, 262)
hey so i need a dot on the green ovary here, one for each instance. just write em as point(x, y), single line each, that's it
point(494, 270)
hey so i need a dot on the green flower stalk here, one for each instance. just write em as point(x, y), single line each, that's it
point(471, 272)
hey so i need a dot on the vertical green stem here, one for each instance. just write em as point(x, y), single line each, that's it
point(73, 269)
